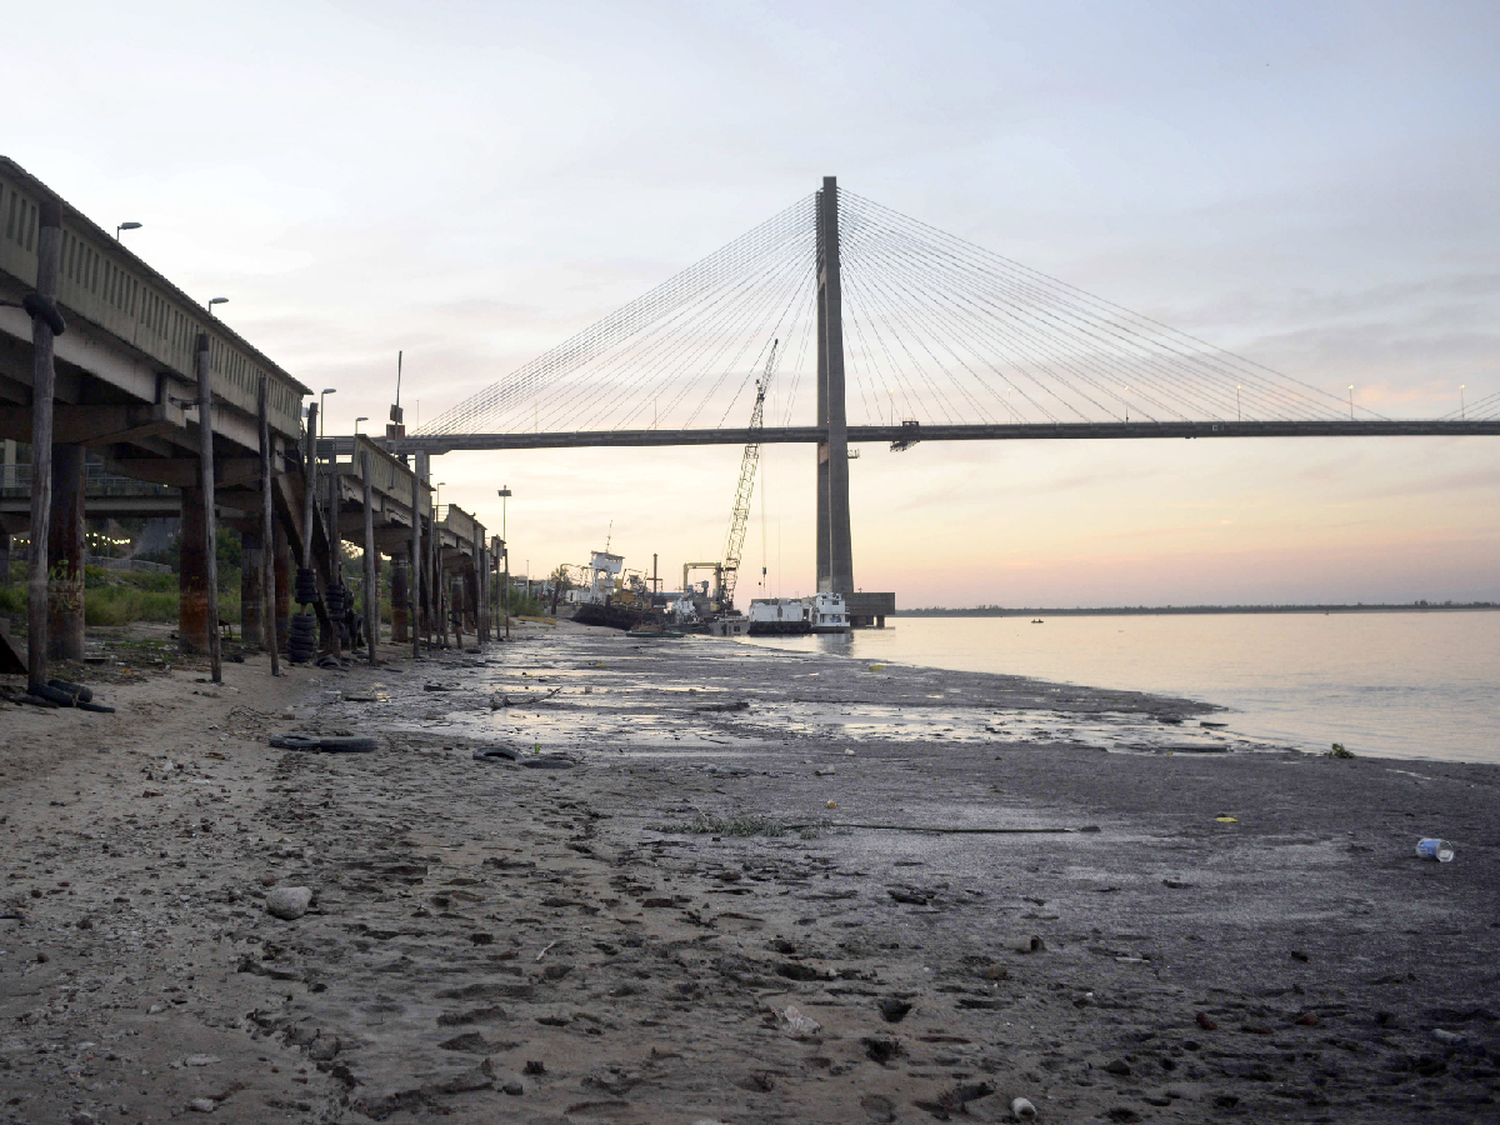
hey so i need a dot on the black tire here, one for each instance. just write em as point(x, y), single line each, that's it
point(307, 585)
point(52, 694)
point(294, 741)
point(495, 754)
point(44, 310)
point(83, 693)
point(346, 744)
point(552, 762)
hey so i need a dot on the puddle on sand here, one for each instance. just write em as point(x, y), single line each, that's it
point(625, 702)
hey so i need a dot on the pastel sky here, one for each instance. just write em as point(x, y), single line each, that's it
point(1309, 184)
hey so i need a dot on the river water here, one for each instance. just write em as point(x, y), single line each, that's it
point(1389, 684)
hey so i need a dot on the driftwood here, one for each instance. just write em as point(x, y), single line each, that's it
point(499, 702)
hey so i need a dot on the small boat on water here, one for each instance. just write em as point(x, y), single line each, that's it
point(653, 632)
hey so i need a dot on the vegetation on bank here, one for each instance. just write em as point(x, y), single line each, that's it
point(120, 597)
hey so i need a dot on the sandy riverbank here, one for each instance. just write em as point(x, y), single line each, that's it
point(1246, 934)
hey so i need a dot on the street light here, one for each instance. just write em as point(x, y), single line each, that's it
point(125, 226)
point(322, 424)
point(1463, 411)
point(504, 495)
point(357, 421)
point(212, 301)
point(1237, 402)
point(1351, 402)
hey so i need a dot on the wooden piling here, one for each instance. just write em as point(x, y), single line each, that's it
point(372, 584)
point(270, 616)
point(210, 515)
point(418, 476)
point(43, 389)
point(481, 585)
point(335, 550)
point(309, 482)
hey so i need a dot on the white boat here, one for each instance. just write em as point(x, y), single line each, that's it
point(821, 613)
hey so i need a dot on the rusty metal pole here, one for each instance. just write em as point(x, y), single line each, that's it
point(372, 587)
point(210, 526)
point(269, 620)
point(43, 388)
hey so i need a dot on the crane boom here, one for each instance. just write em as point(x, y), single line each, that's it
point(740, 519)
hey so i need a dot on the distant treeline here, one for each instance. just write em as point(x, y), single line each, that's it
point(1103, 611)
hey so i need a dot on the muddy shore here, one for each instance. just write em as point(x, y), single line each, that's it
point(768, 887)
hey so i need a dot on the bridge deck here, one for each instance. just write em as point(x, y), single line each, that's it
point(1027, 431)
point(126, 363)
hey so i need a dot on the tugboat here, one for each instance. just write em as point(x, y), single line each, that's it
point(602, 602)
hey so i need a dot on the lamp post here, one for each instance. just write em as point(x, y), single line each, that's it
point(125, 226)
point(504, 495)
point(1351, 402)
point(212, 301)
point(322, 416)
point(1463, 411)
point(357, 421)
point(1237, 402)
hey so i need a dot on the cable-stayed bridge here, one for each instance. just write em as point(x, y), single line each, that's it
point(887, 329)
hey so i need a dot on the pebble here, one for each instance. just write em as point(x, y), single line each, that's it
point(202, 1105)
point(200, 1060)
point(289, 903)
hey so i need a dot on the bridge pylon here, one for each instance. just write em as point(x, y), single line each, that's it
point(835, 564)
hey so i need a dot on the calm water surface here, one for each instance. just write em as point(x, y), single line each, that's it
point(1409, 685)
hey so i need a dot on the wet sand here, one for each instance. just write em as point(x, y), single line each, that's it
point(1081, 897)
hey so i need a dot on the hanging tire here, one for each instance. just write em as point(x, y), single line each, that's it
point(307, 585)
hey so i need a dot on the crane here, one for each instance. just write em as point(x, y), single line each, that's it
point(740, 518)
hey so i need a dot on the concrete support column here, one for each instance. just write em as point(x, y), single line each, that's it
point(399, 615)
point(281, 556)
point(835, 565)
point(252, 587)
point(65, 555)
point(194, 629)
point(4, 557)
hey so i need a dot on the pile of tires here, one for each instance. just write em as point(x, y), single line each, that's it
point(302, 643)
